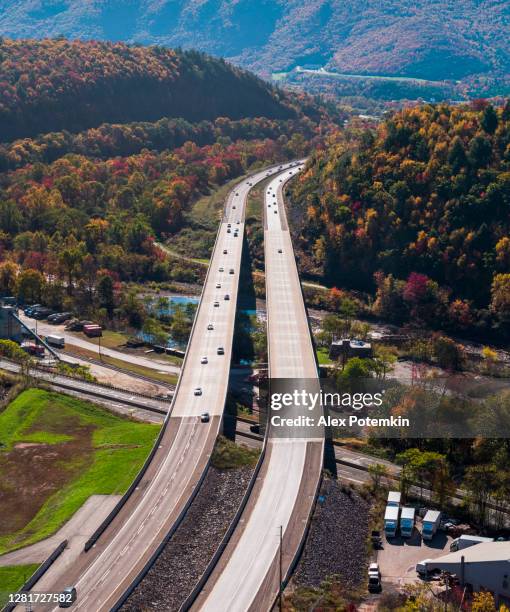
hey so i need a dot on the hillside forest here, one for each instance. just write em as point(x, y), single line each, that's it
point(416, 214)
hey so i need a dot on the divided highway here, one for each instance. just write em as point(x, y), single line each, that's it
point(247, 574)
point(104, 574)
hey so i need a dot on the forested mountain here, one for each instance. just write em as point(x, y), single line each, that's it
point(83, 200)
point(430, 39)
point(52, 85)
point(417, 213)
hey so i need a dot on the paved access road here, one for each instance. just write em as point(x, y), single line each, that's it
point(72, 339)
point(102, 575)
point(247, 575)
point(88, 389)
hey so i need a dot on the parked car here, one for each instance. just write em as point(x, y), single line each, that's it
point(220, 351)
point(227, 297)
point(41, 313)
point(59, 317)
point(204, 417)
point(198, 391)
point(376, 539)
point(374, 578)
point(231, 271)
point(210, 327)
point(29, 309)
point(203, 360)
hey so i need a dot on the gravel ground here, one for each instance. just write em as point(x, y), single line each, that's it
point(185, 557)
point(336, 542)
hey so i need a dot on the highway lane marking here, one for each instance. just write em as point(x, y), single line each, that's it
point(158, 476)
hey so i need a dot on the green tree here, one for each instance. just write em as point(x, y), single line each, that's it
point(154, 331)
point(13, 351)
point(480, 482)
point(447, 353)
point(105, 293)
point(378, 474)
point(133, 310)
point(480, 151)
point(71, 257)
point(30, 286)
point(180, 327)
point(457, 155)
point(8, 276)
point(385, 357)
point(489, 120)
point(500, 298)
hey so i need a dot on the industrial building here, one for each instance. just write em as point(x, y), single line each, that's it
point(347, 348)
point(10, 326)
point(484, 567)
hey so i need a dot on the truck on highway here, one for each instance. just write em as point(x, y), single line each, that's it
point(391, 521)
point(407, 522)
point(465, 541)
point(430, 524)
point(57, 341)
point(394, 498)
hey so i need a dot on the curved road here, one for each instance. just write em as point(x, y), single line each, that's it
point(104, 574)
point(247, 574)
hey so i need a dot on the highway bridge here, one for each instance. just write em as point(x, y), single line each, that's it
point(107, 572)
point(249, 573)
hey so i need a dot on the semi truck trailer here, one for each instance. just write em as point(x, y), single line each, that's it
point(58, 341)
point(407, 522)
point(430, 524)
point(465, 541)
point(391, 521)
point(394, 498)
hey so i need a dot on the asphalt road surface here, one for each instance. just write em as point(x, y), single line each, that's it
point(246, 576)
point(72, 339)
point(89, 388)
point(102, 575)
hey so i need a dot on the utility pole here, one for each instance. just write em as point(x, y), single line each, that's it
point(280, 590)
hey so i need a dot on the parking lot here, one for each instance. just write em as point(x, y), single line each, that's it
point(399, 556)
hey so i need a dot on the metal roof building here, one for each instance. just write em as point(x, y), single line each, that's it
point(483, 566)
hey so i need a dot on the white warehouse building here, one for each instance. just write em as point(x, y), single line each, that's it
point(486, 567)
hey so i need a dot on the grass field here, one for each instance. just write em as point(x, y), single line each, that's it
point(227, 455)
point(12, 577)
point(56, 451)
point(323, 357)
point(113, 339)
point(196, 240)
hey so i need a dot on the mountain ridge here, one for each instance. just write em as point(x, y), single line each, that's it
point(435, 39)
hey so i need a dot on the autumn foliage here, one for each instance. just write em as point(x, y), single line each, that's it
point(418, 213)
